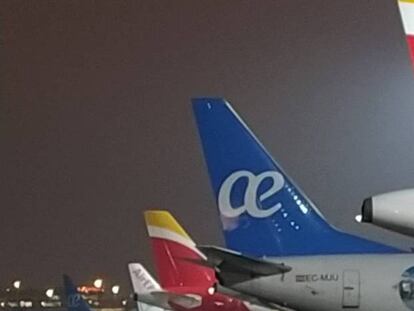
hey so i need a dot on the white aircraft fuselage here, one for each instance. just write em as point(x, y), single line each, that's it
point(338, 282)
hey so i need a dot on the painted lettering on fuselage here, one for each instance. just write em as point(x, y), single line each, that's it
point(323, 277)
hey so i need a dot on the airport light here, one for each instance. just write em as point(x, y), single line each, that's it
point(50, 292)
point(26, 304)
point(17, 284)
point(115, 289)
point(98, 283)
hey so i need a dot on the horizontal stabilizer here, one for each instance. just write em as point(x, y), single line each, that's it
point(227, 261)
point(187, 301)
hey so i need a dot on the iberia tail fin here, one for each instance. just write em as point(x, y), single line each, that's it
point(173, 251)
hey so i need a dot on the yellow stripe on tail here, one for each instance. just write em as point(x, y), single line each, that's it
point(164, 220)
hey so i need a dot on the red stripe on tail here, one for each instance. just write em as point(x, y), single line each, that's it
point(174, 270)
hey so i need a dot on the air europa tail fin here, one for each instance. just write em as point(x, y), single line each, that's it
point(74, 300)
point(173, 251)
point(143, 284)
point(142, 281)
point(407, 16)
point(263, 213)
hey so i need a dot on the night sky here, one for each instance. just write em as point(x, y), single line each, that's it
point(96, 124)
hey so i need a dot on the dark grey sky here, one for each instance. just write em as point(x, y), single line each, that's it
point(96, 124)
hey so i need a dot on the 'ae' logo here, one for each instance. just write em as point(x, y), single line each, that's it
point(251, 196)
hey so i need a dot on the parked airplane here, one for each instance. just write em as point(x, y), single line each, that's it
point(185, 284)
point(264, 214)
point(407, 16)
point(74, 300)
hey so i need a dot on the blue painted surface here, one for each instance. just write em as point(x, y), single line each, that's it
point(262, 211)
point(74, 300)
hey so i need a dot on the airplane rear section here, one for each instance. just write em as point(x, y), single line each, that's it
point(265, 215)
point(333, 283)
point(283, 252)
point(187, 281)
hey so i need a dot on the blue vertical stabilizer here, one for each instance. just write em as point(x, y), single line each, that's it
point(74, 300)
point(263, 213)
